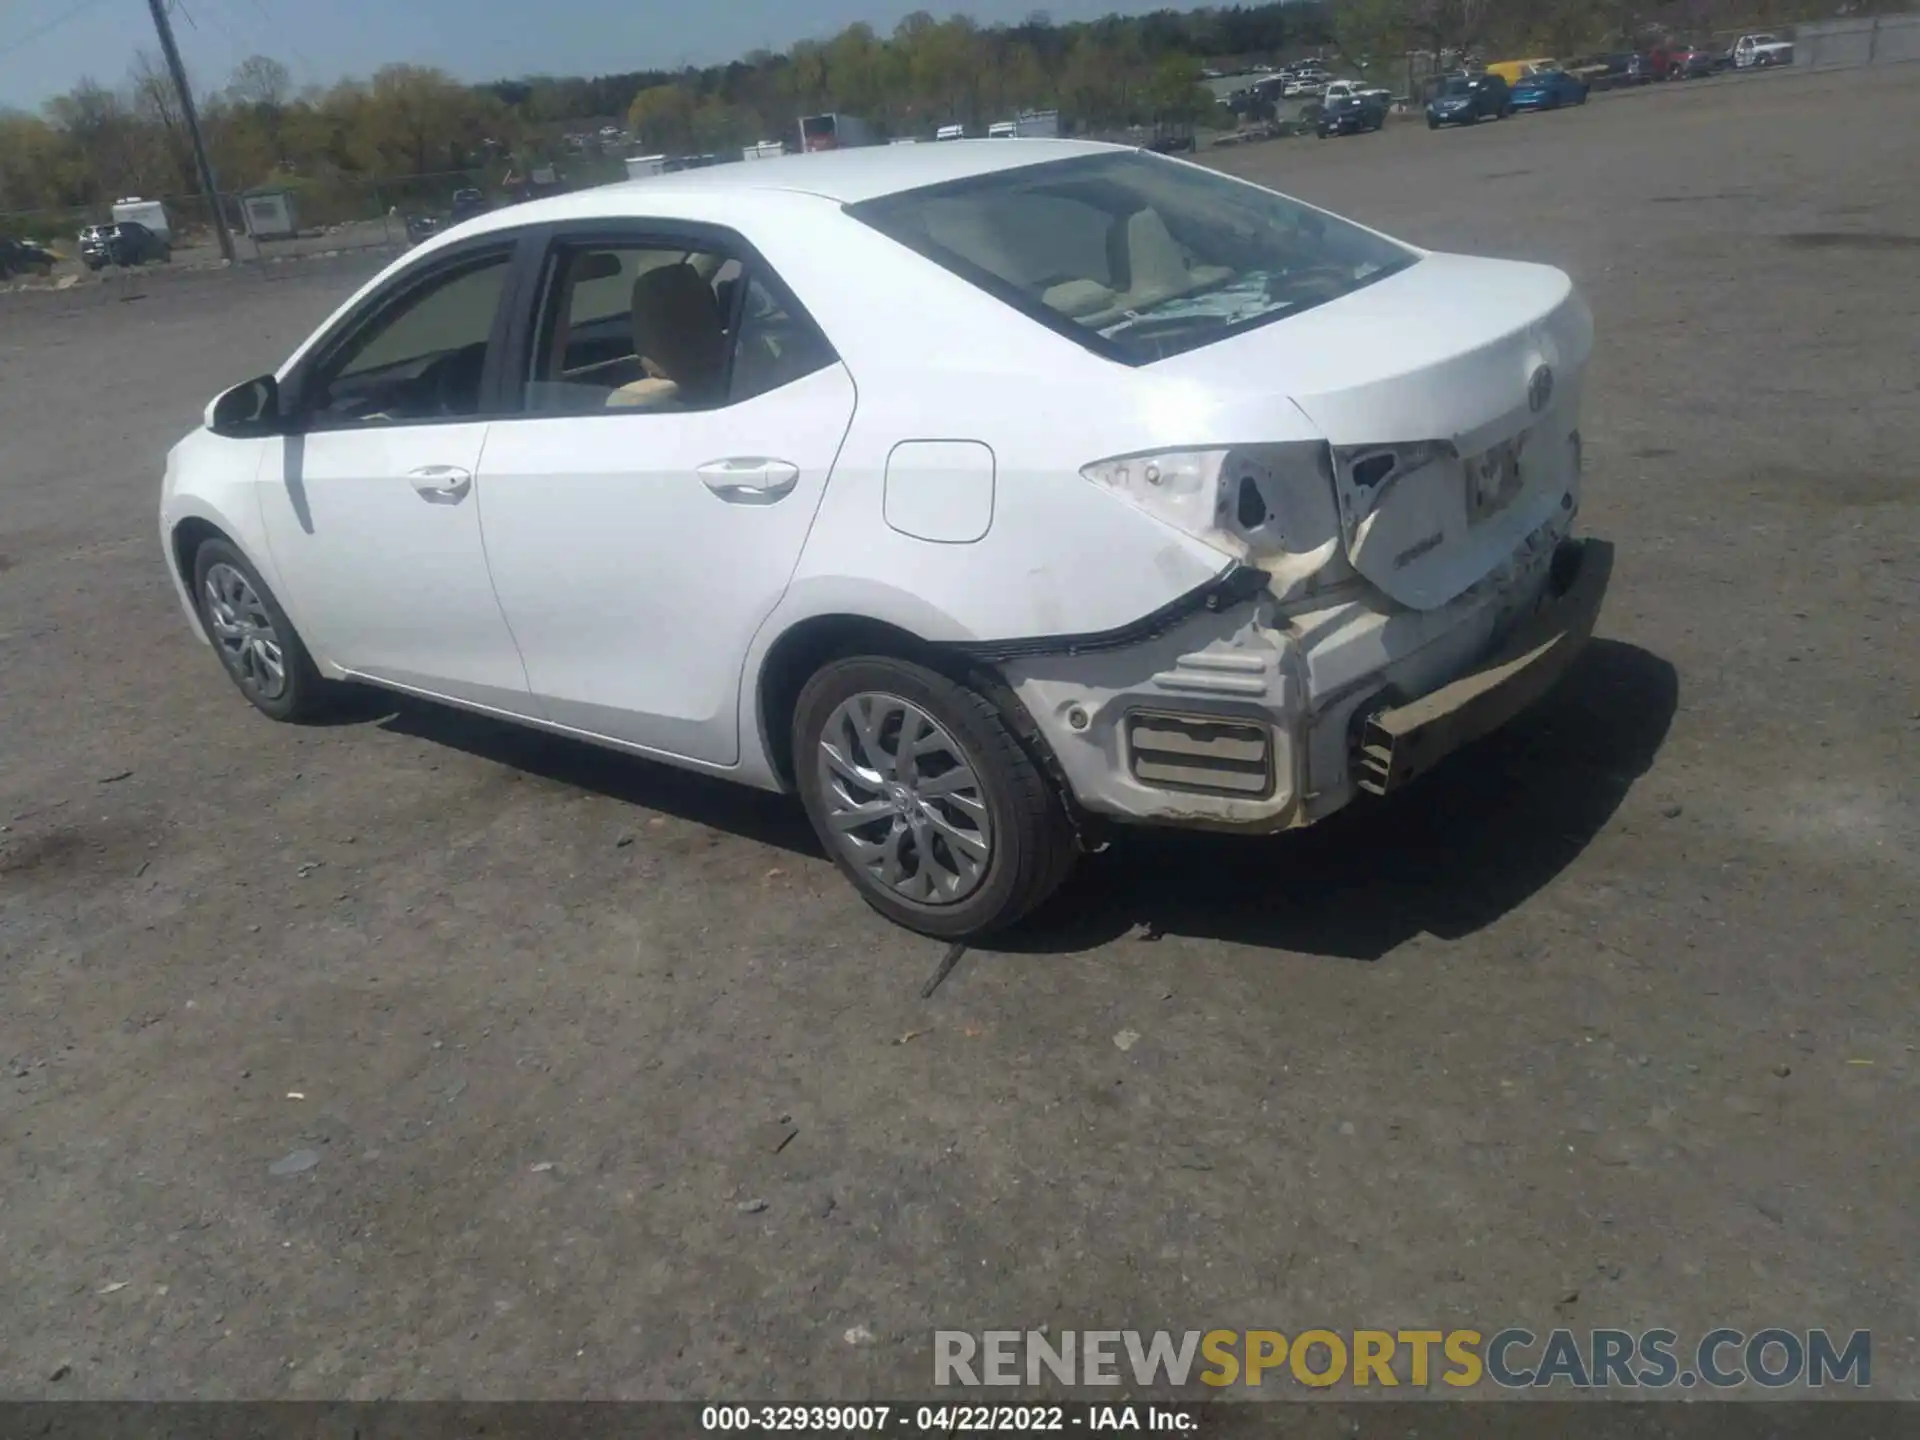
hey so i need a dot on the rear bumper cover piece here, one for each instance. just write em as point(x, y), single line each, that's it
point(1401, 743)
point(1256, 717)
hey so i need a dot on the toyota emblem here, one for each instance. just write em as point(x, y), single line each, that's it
point(1540, 389)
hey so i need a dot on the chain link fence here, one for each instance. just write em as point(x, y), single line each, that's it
point(306, 218)
point(1857, 40)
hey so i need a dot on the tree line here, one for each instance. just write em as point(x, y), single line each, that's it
point(406, 132)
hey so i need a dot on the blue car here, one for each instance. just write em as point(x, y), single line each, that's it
point(1548, 90)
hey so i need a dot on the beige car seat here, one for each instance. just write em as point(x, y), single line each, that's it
point(680, 339)
point(1156, 267)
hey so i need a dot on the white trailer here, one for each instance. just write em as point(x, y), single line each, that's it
point(150, 213)
point(765, 150)
point(639, 167)
point(833, 132)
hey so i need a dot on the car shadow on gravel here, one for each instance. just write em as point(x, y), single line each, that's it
point(1448, 856)
point(759, 815)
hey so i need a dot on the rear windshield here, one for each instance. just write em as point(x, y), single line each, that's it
point(1136, 256)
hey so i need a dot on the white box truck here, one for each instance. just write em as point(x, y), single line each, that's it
point(833, 132)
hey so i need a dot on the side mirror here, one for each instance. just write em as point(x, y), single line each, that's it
point(247, 410)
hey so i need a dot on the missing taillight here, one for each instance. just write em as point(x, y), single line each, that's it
point(1252, 508)
point(1374, 469)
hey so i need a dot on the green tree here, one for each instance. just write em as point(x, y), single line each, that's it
point(1175, 92)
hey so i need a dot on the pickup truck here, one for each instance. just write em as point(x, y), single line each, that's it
point(1354, 89)
point(1760, 51)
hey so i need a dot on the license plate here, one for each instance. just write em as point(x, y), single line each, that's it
point(1493, 478)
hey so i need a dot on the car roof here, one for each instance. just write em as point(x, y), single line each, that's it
point(846, 177)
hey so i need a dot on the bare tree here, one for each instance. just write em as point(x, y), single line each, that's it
point(261, 82)
point(150, 89)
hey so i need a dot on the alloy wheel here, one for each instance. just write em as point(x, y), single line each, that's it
point(903, 800)
point(245, 633)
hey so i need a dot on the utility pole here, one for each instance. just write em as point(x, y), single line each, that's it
point(192, 117)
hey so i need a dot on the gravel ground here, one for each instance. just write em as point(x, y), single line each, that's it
point(614, 1088)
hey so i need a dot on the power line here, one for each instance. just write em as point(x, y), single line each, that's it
point(71, 12)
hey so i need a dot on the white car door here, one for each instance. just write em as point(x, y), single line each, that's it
point(369, 505)
point(646, 514)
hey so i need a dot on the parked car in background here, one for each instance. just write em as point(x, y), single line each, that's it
point(1467, 99)
point(93, 245)
point(134, 244)
point(1349, 115)
point(127, 243)
point(23, 257)
point(1613, 71)
point(1346, 89)
point(1691, 62)
point(465, 205)
point(730, 513)
point(1760, 51)
point(1548, 90)
point(1512, 71)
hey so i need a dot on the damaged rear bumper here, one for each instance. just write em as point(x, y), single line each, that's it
point(1401, 743)
point(1253, 717)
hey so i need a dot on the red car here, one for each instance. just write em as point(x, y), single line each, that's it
point(1676, 62)
point(1690, 62)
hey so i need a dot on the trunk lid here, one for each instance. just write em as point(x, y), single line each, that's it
point(1450, 396)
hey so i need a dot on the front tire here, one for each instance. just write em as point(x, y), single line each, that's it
point(261, 651)
point(925, 798)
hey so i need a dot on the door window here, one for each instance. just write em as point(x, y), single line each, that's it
point(422, 358)
point(653, 327)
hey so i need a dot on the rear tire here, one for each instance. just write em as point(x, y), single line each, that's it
point(261, 651)
point(925, 798)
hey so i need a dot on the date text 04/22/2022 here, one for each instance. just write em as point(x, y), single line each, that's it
point(946, 1419)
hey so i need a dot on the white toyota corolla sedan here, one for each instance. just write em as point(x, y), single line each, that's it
point(986, 495)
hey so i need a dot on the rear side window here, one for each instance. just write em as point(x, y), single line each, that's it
point(777, 345)
point(1135, 256)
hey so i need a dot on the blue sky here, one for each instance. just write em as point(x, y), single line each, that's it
point(46, 45)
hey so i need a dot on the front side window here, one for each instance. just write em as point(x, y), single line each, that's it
point(658, 327)
point(1136, 257)
point(420, 359)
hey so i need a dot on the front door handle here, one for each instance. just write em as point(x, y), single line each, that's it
point(441, 484)
point(750, 480)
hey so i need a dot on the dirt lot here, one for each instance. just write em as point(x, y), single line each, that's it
point(1611, 1022)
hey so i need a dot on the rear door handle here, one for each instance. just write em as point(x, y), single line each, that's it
point(441, 484)
point(749, 480)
